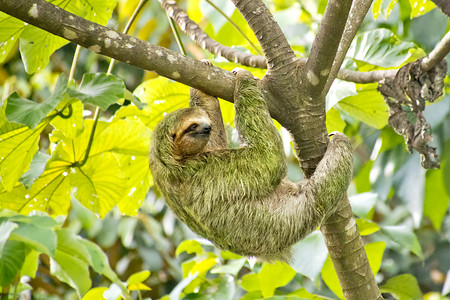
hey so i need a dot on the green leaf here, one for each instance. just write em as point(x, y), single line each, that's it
point(380, 47)
point(420, 7)
point(273, 276)
point(250, 282)
point(334, 121)
point(162, 96)
point(37, 167)
point(436, 197)
point(99, 89)
point(339, 90)
point(363, 204)
point(410, 183)
point(404, 237)
point(18, 144)
point(232, 267)
point(367, 106)
point(403, 287)
point(98, 11)
point(30, 113)
point(99, 183)
point(366, 227)
point(36, 46)
point(138, 277)
point(189, 246)
point(375, 252)
point(10, 31)
point(313, 246)
point(6, 228)
point(11, 261)
point(70, 263)
point(42, 239)
point(72, 122)
point(49, 193)
point(31, 264)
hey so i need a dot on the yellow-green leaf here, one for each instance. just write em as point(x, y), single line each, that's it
point(190, 246)
point(99, 184)
point(420, 7)
point(273, 276)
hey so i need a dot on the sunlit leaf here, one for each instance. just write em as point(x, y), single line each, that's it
point(36, 46)
point(367, 106)
point(273, 276)
point(37, 167)
point(98, 11)
point(436, 197)
point(366, 227)
point(99, 89)
point(95, 294)
point(31, 113)
point(10, 31)
point(403, 287)
point(362, 204)
point(339, 90)
point(189, 246)
point(420, 7)
point(71, 121)
point(49, 193)
point(380, 47)
point(334, 121)
point(17, 148)
point(99, 188)
point(250, 282)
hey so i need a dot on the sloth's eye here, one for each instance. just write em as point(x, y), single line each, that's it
point(174, 136)
point(193, 127)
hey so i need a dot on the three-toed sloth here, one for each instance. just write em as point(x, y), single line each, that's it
point(240, 199)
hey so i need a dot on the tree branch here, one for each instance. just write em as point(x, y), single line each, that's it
point(105, 41)
point(323, 50)
point(272, 40)
point(203, 40)
point(439, 53)
point(357, 13)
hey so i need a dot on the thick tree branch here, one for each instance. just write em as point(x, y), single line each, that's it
point(324, 48)
point(203, 40)
point(122, 47)
point(272, 40)
point(357, 13)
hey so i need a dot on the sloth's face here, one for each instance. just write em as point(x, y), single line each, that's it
point(192, 134)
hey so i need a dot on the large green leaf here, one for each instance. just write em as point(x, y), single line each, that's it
point(49, 193)
point(10, 31)
point(99, 89)
point(380, 47)
point(98, 11)
point(420, 7)
point(71, 121)
point(37, 167)
point(436, 197)
point(162, 96)
point(273, 276)
point(31, 113)
point(404, 237)
point(99, 183)
point(6, 227)
point(36, 46)
point(403, 287)
point(363, 204)
point(70, 263)
point(40, 238)
point(367, 106)
point(313, 246)
point(18, 144)
point(11, 261)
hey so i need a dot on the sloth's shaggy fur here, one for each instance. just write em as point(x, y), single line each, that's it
point(240, 199)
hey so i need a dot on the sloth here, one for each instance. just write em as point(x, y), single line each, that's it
point(240, 198)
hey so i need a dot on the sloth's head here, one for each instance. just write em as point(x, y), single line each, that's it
point(182, 134)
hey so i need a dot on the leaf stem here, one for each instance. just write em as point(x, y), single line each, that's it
point(91, 138)
point(235, 26)
point(76, 56)
point(176, 34)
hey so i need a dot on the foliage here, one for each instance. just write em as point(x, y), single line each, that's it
point(55, 160)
